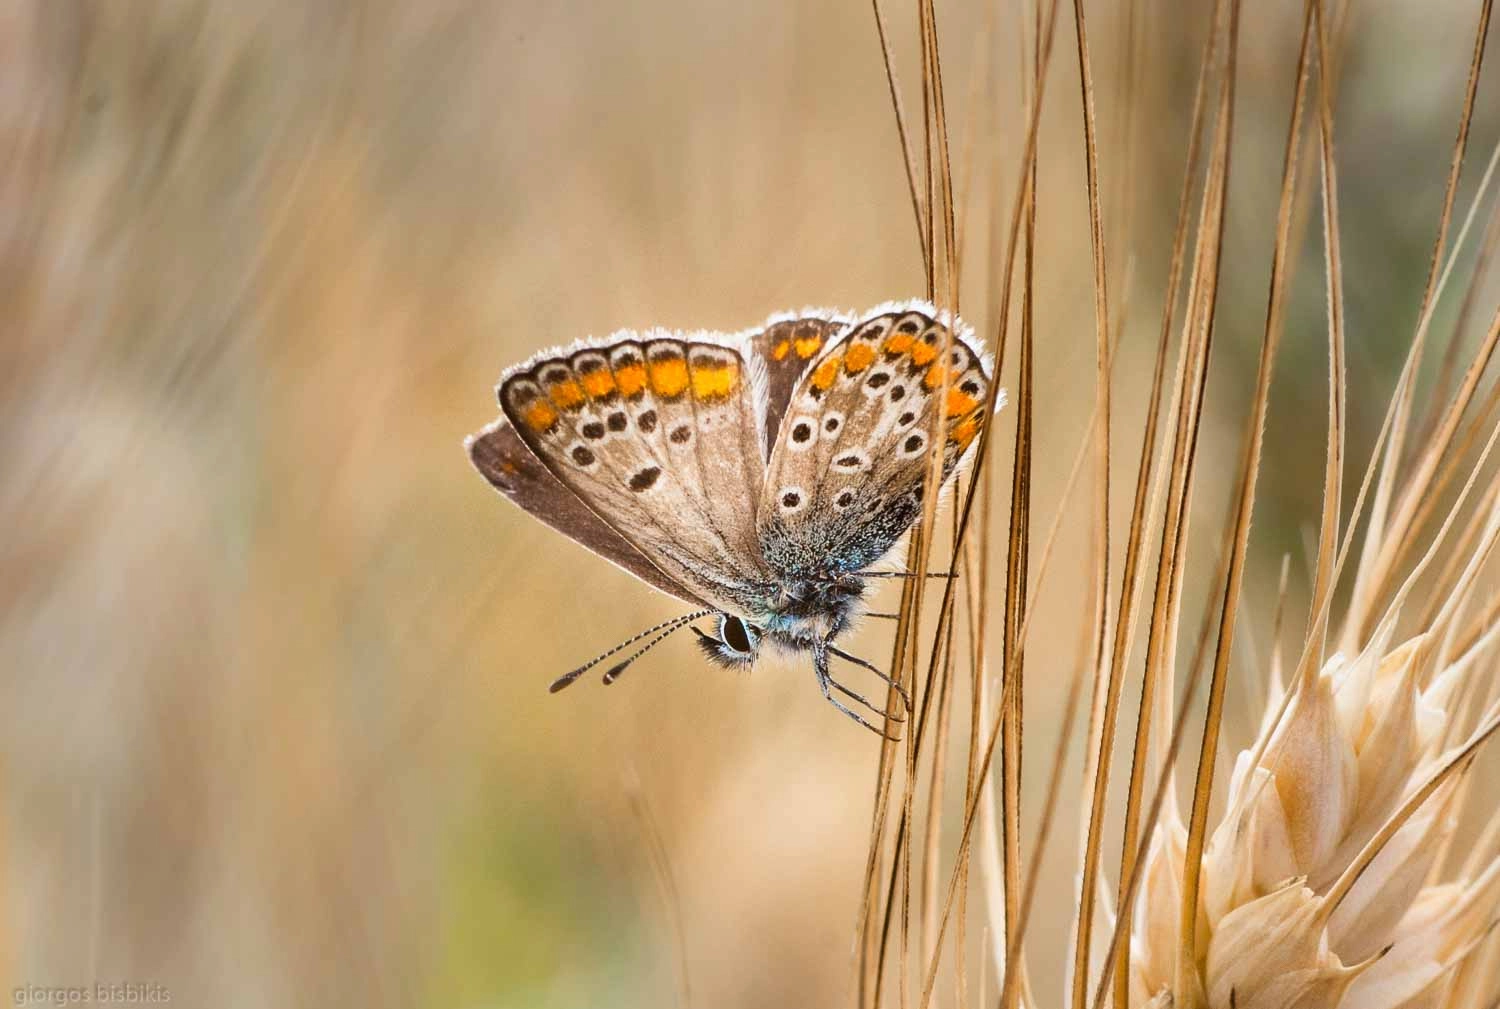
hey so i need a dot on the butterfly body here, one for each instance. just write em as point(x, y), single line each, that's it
point(806, 612)
point(760, 475)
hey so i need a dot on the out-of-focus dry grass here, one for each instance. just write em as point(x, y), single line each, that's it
point(275, 726)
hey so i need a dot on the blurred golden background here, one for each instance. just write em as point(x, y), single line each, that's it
point(275, 722)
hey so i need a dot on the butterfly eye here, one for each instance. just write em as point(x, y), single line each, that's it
point(735, 633)
point(736, 643)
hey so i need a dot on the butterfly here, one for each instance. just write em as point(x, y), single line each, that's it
point(757, 476)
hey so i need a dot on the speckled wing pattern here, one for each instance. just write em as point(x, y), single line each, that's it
point(515, 471)
point(847, 471)
point(659, 434)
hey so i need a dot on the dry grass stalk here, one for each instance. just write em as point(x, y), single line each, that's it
point(1326, 873)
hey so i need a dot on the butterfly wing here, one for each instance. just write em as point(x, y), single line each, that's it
point(512, 469)
point(658, 434)
point(784, 347)
point(847, 470)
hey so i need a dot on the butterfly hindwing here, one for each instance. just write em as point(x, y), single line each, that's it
point(512, 469)
point(848, 467)
point(659, 436)
point(784, 346)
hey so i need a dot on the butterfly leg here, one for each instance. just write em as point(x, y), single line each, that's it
point(905, 698)
point(907, 574)
point(881, 712)
point(827, 684)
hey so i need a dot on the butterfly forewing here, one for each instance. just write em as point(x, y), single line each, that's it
point(847, 472)
point(659, 435)
point(512, 469)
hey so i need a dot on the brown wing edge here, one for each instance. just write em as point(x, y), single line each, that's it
point(503, 459)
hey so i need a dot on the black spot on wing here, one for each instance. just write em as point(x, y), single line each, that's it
point(645, 479)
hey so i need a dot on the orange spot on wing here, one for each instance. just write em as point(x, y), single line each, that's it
point(714, 382)
point(858, 357)
point(824, 374)
point(781, 350)
point(669, 376)
point(539, 416)
point(935, 375)
point(963, 433)
point(566, 394)
point(598, 384)
point(807, 346)
point(960, 403)
point(630, 379)
point(898, 343)
point(923, 353)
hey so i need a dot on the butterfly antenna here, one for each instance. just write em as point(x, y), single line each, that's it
point(613, 672)
point(668, 625)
